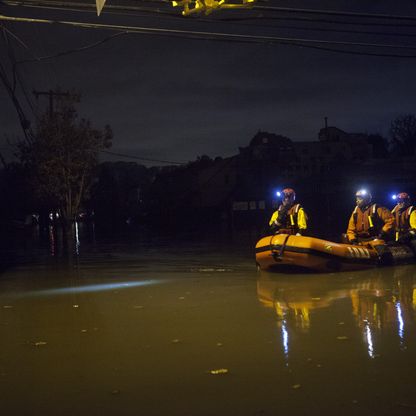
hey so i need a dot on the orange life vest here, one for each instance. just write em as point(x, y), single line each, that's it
point(402, 218)
point(367, 222)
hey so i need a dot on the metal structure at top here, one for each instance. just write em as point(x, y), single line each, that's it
point(198, 6)
point(208, 6)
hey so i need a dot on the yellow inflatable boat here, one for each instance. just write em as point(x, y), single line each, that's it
point(282, 252)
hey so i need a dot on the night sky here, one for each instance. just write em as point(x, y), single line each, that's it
point(174, 98)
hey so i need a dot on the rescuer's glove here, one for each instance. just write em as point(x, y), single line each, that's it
point(403, 239)
point(382, 236)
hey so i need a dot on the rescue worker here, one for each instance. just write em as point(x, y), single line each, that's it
point(369, 221)
point(290, 218)
point(405, 218)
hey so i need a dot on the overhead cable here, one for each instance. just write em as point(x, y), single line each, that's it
point(170, 162)
point(314, 43)
point(290, 10)
point(336, 13)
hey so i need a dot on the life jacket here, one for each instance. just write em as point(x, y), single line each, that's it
point(367, 222)
point(402, 218)
point(291, 222)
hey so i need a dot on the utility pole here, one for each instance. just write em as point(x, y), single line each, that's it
point(51, 94)
point(326, 128)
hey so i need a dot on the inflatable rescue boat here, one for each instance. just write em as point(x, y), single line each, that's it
point(281, 252)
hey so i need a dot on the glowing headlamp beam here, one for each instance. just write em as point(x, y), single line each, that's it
point(91, 288)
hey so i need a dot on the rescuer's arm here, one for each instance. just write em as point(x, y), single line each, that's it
point(273, 220)
point(302, 221)
point(388, 220)
point(352, 230)
point(412, 220)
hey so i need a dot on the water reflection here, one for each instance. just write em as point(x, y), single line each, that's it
point(400, 321)
point(381, 302)
point(368, 338)
point(285, 339)
point(77, 242)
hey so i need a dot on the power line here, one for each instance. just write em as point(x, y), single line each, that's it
point(77, 6)
point(17, 78)
point(76, 50)
point(126, 11)
point(82, 7)
point(336, 13)
point(191, 34)
point(289, 10)
point(170, 162)
point(109, 8)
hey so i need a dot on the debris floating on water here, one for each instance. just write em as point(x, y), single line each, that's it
point(219, 371)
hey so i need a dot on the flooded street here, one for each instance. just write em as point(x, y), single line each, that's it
point(167, 327)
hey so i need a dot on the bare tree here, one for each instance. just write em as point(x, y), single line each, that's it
point(403, 134)
point(61, 157)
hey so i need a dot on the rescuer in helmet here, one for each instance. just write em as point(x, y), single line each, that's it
point(290, 218)
point(405, 217)
point(369, 221)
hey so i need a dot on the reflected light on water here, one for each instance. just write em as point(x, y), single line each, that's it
point(400, 321)
point(51, 241)
point(77, 243)
point(92, 288)
point(285, 339)
point(369, 339)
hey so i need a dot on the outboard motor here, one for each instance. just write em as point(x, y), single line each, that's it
point(395, 254)
point(412, 245)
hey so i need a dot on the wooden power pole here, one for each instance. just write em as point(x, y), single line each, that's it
point(51, 94)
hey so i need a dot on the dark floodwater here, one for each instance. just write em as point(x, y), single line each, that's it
point(176, 327)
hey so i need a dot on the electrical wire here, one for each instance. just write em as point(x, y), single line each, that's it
point(255, 6)
point(127, 11)
point(83, 7)
point(70, 51)
point(110, 8)
point(23, 120)
point(336, 13)
point(313, 43)
point(170, 162)
point(235, 21)
point(17, 78)
point(90, 8)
